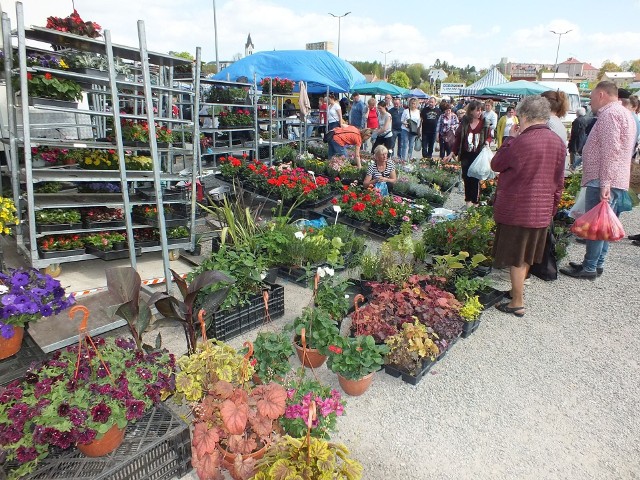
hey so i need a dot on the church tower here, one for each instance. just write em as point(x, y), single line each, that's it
point(248, 48)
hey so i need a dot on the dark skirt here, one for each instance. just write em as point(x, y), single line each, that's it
point(515, 246)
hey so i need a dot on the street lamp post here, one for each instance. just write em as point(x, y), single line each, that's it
point(555, 67)
point(385, 62)
point(339, 17)
point(215, 36)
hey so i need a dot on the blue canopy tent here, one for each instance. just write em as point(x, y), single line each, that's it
point(493, 77)
point(514, 89)
point(379, 88)
point(318, 68)
point(415, 92)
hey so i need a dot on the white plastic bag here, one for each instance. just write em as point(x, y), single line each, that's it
point(481, 166)
point(578, 208)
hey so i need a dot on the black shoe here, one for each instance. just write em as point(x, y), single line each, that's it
point(579, 273)
point(634, 237)
point(581, 240)
point(578, 266)
point(636, 243)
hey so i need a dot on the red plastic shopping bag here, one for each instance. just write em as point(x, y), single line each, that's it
point(599, 223)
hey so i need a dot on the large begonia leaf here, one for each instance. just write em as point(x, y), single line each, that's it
point(234, 416)
point(271, 400)
point(204, 439)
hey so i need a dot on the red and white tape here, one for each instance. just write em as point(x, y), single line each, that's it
point(151, 281)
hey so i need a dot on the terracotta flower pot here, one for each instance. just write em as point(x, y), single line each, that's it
point(106, 444)
point(11, 346)
point(310, 357)
point(228, 459)
point(355, 388)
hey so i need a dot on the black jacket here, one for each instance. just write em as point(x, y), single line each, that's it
point(578, 135)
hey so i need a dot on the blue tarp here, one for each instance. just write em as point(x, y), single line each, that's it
point(318, 68)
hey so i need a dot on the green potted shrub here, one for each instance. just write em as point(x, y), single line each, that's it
point(314, 331)
point(271, 351)
point(470, 312)
point(307, 458)
point(355, 361)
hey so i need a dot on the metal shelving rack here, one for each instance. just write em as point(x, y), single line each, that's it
point(229, 146)
point(23, 136)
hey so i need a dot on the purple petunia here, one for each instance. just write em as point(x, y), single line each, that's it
point(7, 331)
point(101, 412)
point(20, 278)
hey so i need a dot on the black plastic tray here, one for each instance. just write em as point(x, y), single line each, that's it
point(60, 253)
point(58, 227)
point(17, 365)
point(107, 224)
point(407, 377)
point(111, 254)
point(469, 328)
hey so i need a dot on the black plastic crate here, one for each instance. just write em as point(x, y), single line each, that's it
point(470, 327)
point(58, 227)
point(111, 254)
point(229, 324)
point(156, 447)
point(17, 365)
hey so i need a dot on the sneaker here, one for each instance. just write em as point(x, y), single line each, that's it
point(577, 266)
point(580, 273)
point(634, 237)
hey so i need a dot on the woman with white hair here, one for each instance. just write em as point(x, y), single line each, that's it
point(531, 167)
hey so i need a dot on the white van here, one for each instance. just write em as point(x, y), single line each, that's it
point(571, 89)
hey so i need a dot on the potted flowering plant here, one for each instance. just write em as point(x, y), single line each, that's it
point(355, 360)
point(47, 156)
point(271, 353)
point(300, 392)
point(239, 118)
point(50, 87)
point(26, 296)
point(138, 131)
point(74, 24)
point(7, 215)
point(49, 219)
point(97, 217)
point(56, 243)
point(78, 398)
point(277, 85)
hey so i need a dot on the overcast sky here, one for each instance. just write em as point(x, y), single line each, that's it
point(465, 32)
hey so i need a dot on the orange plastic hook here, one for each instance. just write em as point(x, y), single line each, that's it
point(203, 328)
point(85, 316)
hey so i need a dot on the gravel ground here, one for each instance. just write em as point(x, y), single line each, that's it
point(552, 395)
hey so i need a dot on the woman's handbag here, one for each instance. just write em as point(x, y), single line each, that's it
point(450, 137)
point(413, 126)
point(547, 269)
point(417, 146)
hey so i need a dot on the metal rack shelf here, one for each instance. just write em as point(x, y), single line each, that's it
point(103, 91)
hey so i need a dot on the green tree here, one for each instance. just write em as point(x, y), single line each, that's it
point(453, 77)
point(414, 72)
point(634, 66)
point(400, 79)
point(608, 66)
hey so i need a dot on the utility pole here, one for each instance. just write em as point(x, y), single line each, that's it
point(385, 63)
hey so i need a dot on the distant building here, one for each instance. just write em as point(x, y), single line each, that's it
point(328, 46)
point(248, 47)
point(370, 77)
point(521, 71)
point(619, 78)
point(578, 71)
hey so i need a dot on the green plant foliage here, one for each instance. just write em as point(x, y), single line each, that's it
point(355, 358)
point(288, 458)
point(272, 351)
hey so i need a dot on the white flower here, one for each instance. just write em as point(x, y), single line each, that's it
point(330, 271)
point(337, 209)
point(3, 289)
point(263, 275)
point(299, 235)
point(321, 272)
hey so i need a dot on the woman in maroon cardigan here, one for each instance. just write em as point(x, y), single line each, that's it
point(531, 166)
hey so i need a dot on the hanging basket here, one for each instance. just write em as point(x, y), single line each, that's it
point(105, 444)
